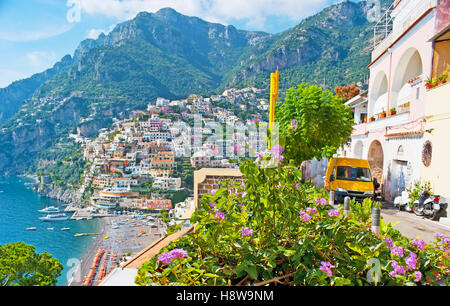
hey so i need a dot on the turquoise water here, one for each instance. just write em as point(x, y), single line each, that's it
point(19, 206)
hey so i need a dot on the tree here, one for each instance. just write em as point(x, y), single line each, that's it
point(347, 92)
point(21, 266)
point(313, 123)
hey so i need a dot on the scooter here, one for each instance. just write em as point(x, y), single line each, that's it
point(403, 202)
point(429, 206)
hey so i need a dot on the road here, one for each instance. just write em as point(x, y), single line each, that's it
point(413, 226)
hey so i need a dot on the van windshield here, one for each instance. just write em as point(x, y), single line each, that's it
point(353, 174)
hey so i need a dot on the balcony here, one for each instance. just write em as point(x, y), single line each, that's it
point(388, 121)
point(403, 17)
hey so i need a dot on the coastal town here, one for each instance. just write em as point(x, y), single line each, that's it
point(215, 189)
point(135, 164)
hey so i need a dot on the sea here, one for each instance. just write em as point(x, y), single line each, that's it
point(19, 205)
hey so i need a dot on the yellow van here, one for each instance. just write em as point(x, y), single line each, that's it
point(350, 177)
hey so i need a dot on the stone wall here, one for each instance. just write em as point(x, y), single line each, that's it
point(207, 179)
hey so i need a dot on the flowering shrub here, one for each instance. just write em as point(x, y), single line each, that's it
point(271, 230)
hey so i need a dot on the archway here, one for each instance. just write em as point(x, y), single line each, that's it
point(408, 67)
point(379, 94)
point(376, 159)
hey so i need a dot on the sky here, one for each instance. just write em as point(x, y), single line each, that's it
point(35, 34)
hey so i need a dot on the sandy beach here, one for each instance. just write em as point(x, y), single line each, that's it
point(120, 237)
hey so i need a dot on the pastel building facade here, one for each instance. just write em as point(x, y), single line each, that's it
point(393, 135)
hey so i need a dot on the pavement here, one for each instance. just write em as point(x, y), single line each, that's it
point(413, 226)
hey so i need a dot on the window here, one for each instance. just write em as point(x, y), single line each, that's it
point(353, 174)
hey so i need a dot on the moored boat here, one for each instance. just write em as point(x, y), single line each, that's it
point(55, 217)
point(30, 228)
point(49, 209)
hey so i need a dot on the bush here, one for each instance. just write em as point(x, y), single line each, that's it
point(273, 230)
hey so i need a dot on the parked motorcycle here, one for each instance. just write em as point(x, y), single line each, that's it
point(403, 202)
point(430, 206)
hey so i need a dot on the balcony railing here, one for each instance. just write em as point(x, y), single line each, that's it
point(387, 30)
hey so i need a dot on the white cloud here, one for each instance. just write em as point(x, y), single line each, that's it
point(94, 33)
point(8, 76)
point(34, 35)
point(254, 12)
point(41, 59)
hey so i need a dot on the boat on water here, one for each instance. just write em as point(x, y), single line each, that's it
point(50, 228)
point(49, 209)
point(65, 229)
point(55, 217)
point(30, 228)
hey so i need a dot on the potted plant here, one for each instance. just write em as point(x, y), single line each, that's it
point(383, 114)
point(392, 111)
point(429, 83)
point(372, 119)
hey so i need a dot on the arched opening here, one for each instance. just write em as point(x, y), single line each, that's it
point(379, 94)
point(375, 158)
point(358, 149)
point(409, 67)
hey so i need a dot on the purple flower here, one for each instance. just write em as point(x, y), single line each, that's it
point(213, 191)
point(219, 216)
point(260, 156)
point(236, 148)
point(254, 120)
point(276, 151)
point(389, 243)
point(418, 276)
point(297, 186)
point(244, 194)
point(212, 204)
point(420, 244)
point(397, 251)
point(178, 253)
point(326, 267)
point(294, 124)
point(245, 231)
point(322, 201)
point(166, 258)
point(332, 213)
point(438, 235)
point(312, 210)
point(397, 269)
point(242, 185)
point(411, 261)
point(304, 216)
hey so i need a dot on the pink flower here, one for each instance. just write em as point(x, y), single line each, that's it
point(397, 251)
point(322, 201)
point(332, 213)
point(418, 276)
point(326, 266)
point(304, 216)
point(245, 231)
point(411, 261)
point(420, 244)
point(312, 210)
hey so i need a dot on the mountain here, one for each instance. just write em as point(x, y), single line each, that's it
point(330, 47)
point(172, 55)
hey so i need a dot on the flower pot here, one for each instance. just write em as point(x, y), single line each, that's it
point(372, 119)
point(392, 112)
point(383, 115)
